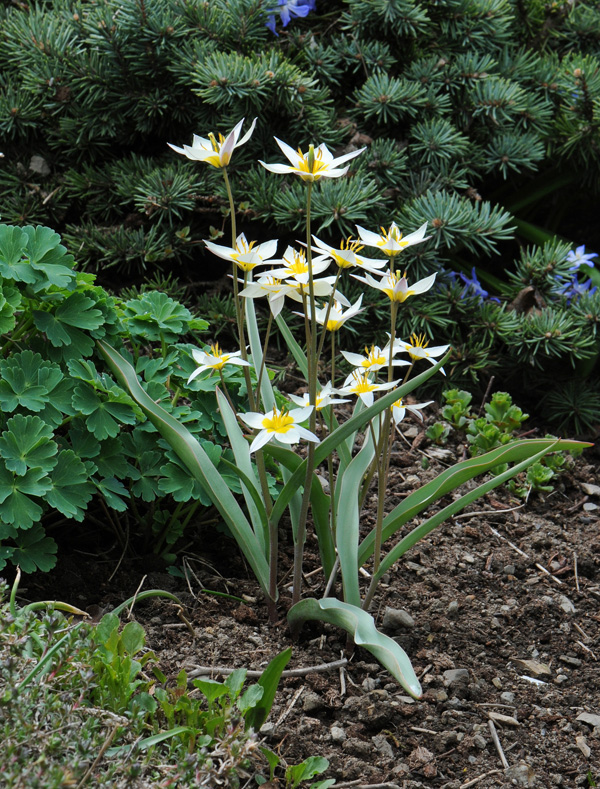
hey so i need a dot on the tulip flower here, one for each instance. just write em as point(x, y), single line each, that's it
point(360, 384)
point(271, 287)
point(418, 348)
point(246, 255)
point(391, 242)
point(215, 360)
point(347, 255)
point(326, 396)
point(295, 266)
point(395, 287)
point(337, 317)
point(316, 163)
point(282, 426)
point(212, 151)
point(399, 409)
point(375, 359)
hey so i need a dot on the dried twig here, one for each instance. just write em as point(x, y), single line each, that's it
point(97, 760)
point(554, 578)
point(512, 545)
point(290, 706)
point(294, 672)
point(137, 591)
point(575, 571)
point(496, 740)
point(479, 778)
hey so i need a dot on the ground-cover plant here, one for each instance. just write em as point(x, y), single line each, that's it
point(73, 444)
point(86, 705)
point(352, 452)
point(480, 117)
point(500, 425)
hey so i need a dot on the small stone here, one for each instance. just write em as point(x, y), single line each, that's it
point(589, 506)
point(396, 618)
point(509, 569)
point(583, 746)
point(468, 558)
point(480, 742)
point(590, 490)
point(312, 701)
point(358, 747)
point(520, 774)
point(509, 720)
point(456, 676)
point(383, 746)
point(369, 684)
point(441, 695)
point(453, 608)
point(497, 683)
point(589, 717)
point(560, 679)
point(267, 729)
point(38, 164)
point(533, 667)
point(337, 734)
point(507, 697)
point(566, 605)
point(570, 661)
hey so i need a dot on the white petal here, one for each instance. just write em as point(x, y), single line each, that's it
point(267, 249)
point(306, 434)
point(219, 250)
point(354, 358)
point(418, 235)
point(248, 134)
point(423, 284)
point(280, 169)
point(289, 153)
point(370, 239)
point(252, 419)
point(346, 157)
point(261, 439)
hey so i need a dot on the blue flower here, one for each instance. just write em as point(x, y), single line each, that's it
point(288, 9)
point(575, 288)
point(580, 257)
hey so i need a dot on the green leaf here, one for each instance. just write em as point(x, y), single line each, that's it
point(27, 380)
point(13, 241)
point(114, 492)
point(34, 550)
point(63, 325)
point(70, 490)
point(197, 461)
point(133, 638)
point(211, 689)
point(250, 698)
point(452, 478)
point(26, 443)
point(15, 505)
point(269, 681)
point(296, 773)
point(155, 316)
point(177, 480)
point(10, 299)
point(235, 681)
point(48, 256)
point(360, 625)
point(103, 415)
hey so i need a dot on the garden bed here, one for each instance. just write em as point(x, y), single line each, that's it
point(501, 584)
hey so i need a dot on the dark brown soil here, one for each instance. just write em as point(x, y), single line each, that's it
point(500, 584)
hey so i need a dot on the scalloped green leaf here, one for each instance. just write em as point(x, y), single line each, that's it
point(114, 492)
point(155, 316)
point(103, 417)
point(16, 506)
point(49, 257)
point(27, 380)
point(27, 443)
point(34, 550)
point(13, 241)
point(71, 489)
point(361, 626)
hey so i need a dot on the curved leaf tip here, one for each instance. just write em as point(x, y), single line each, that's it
point(361, 626)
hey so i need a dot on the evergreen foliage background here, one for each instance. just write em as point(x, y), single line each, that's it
point(481, 117)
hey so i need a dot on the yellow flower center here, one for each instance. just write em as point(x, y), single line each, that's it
point(347, 245)
point(374, 356)
point(362, 384)
point(280, 422)
point(219, 358)
point(392, 236)
point(310, 164)
point(418, 341)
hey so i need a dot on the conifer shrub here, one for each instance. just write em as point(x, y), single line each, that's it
point(481, 117)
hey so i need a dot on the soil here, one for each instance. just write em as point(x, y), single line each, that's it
point(499, 610)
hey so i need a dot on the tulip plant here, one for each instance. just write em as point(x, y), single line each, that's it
point(352, 452)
